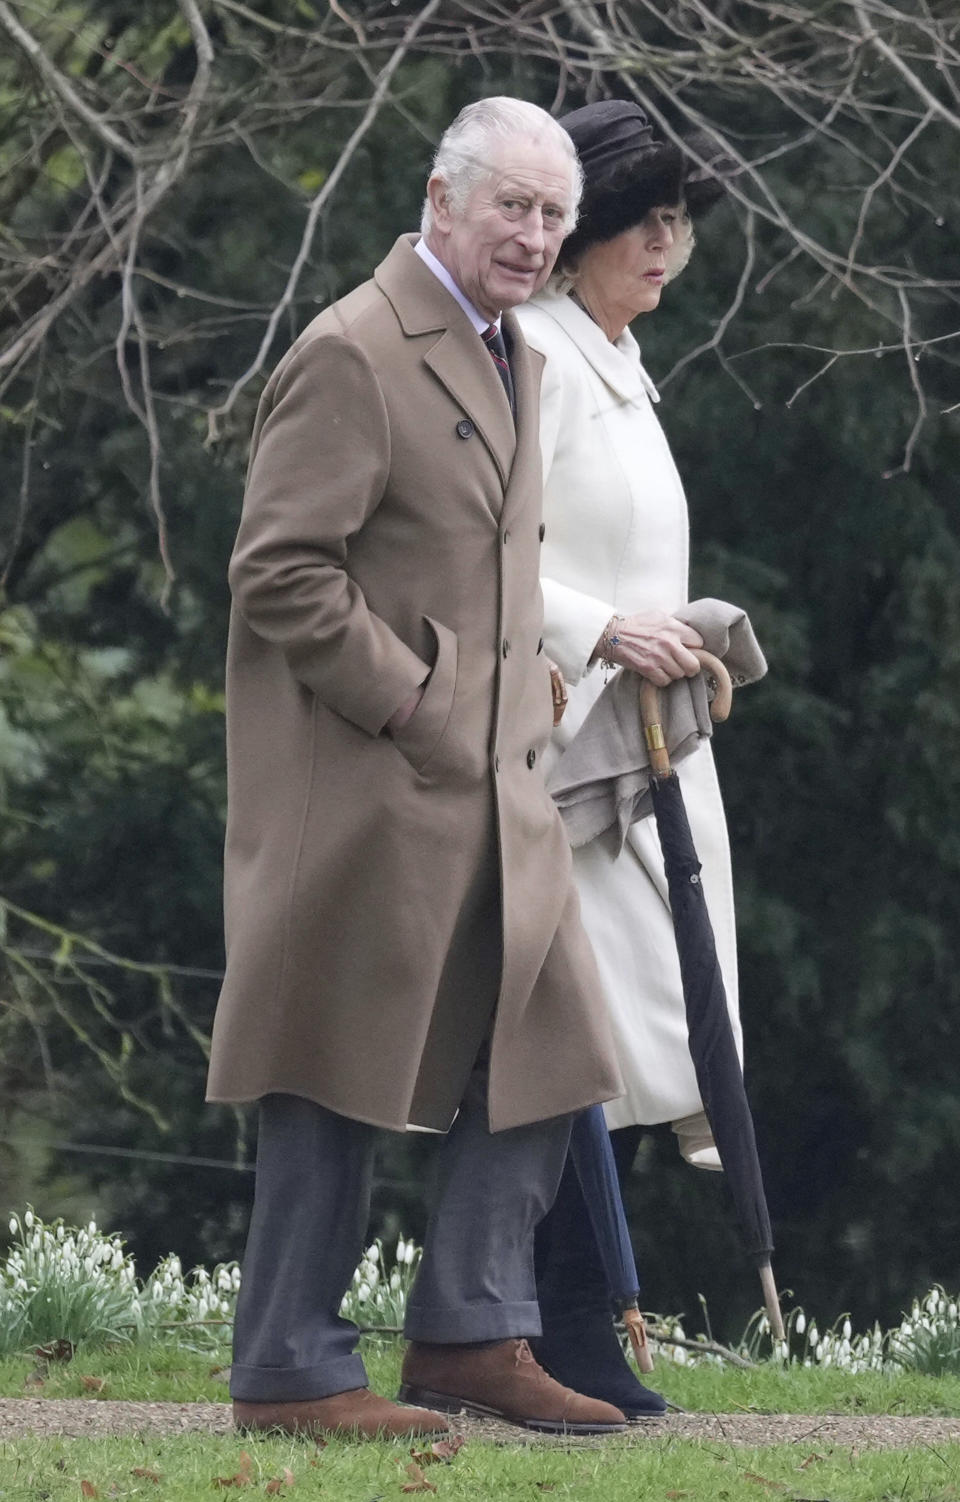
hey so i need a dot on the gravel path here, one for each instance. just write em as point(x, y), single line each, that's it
point(94, 1418)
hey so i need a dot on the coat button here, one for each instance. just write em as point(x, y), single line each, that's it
point(531, 759)
point(505, 647)
point(543, 531)
point(464, 428)
point(539, 646)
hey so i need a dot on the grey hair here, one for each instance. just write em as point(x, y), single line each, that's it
point(567, 273)
point(463, 158)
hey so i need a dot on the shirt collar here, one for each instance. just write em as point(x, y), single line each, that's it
point(442, 274)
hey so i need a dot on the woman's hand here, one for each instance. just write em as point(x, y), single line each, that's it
point(653, 644)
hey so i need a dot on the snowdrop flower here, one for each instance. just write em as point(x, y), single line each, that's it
point(14, 1228)
point(401, 1249)
point(801, 1323)
point(28, 1220)
point(373, 1253)
point(363, 1293)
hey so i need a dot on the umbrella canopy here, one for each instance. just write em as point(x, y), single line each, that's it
point(712, 1046)
point(593, 1159)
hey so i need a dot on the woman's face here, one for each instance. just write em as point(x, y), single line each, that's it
point(629, 270)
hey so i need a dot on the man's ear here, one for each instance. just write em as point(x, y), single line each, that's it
point(439, 195)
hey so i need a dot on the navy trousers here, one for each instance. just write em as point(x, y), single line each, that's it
point(307, 1233)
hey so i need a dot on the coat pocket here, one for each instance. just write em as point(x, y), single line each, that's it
point(420, 737)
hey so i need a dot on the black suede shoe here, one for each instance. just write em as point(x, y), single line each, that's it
point(582, 1350)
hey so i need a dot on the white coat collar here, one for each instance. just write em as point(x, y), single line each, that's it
point(618, 364)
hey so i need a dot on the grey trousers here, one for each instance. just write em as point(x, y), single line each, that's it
point(307, 1232)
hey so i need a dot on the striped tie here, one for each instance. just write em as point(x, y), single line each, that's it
point(493, 339)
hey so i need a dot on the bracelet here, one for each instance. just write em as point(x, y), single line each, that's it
point(610, 639)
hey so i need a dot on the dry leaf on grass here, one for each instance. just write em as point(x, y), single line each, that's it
point(93, 1384)
point(242, 1477)
point(145, 1473)
point(418, 1481)
point(55, 1350)
point(813, 1456)
point(87, 1489)
point(774, 1486)
point(444, 1449)
point(279, 1482)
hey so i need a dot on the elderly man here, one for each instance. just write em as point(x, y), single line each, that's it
point(403, 939)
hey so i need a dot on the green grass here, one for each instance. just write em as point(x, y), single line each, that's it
point(158, 1372)
point(189, 1466)
point(633, 1468)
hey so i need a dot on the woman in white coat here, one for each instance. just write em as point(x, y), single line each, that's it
point(614, 571)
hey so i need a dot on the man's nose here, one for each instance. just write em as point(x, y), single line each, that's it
point(530, 231)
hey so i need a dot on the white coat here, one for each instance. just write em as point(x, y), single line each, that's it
point(616, 541)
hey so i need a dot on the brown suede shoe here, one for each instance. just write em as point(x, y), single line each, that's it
point(358, 1412)
point(502, 1380)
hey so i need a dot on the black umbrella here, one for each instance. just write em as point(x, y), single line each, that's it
point(592, 1155)
point(712, 1046)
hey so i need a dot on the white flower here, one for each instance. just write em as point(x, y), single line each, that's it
point(28, 1220)
point(363, 1293)
point(373, 1253)
point(847, 1329)
point(401, 1250)
point(801, 1323)
point(14, 1228)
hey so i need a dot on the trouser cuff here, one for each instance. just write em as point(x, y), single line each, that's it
point(465, 1324)
point(291, 1384)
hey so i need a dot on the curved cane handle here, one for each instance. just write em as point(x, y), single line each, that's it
point(650, 708)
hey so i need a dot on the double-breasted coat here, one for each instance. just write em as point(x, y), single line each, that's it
point(392, 900)
point(617, 542)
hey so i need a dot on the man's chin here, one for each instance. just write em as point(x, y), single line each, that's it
point(516, 287)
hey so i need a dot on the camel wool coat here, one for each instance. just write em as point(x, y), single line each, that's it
point(390, 901)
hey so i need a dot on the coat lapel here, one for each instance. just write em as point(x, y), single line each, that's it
point(452, 348)
point(618, 364)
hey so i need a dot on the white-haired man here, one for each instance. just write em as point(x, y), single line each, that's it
point(403, 940)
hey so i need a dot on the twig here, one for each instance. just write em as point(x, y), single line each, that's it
point(316, 207)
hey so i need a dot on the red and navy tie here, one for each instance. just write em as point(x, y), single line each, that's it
point(493, 339)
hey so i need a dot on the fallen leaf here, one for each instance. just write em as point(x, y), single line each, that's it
point(775, 1486)
point(145, 1473)
point(278, 1482)
point(242, 1477)
point(814, 1456)
point(93, 1384)
point(418, 1481)
point(444, 1449)
point(55, 1350)
point(87, 1489)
